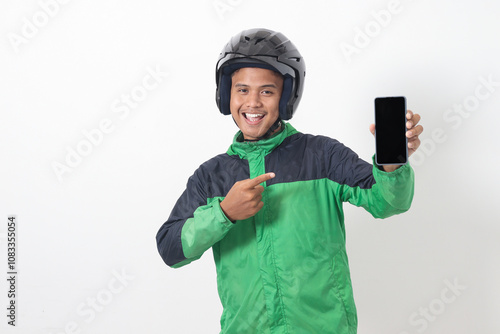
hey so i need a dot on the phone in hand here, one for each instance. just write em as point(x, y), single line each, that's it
point(391, 144)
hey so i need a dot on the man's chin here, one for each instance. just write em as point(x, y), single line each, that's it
point(250, 137)
point(252, 134)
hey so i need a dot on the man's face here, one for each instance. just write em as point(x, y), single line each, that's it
point(255, 97)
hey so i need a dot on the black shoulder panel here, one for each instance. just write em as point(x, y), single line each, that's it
point(213, 178)
point(220, 173)
point(303, 157)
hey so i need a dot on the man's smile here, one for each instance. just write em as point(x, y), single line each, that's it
point(253, 118)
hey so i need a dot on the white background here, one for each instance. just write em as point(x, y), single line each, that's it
point(99, 219)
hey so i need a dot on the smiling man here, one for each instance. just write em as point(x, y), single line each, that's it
point(271, 206)
point(255, 96)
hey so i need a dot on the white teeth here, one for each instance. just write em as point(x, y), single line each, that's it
point(253, 115)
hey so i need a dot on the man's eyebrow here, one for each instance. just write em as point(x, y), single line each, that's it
point(263, 86)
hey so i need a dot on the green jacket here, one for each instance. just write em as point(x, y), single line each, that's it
point(284, 270)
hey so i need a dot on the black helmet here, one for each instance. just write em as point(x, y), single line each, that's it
point(262, 48)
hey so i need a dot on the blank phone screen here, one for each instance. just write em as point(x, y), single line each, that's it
point(390, 131)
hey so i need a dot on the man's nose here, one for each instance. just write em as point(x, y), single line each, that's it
point(253, 100)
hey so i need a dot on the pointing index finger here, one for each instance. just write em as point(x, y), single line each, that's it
point(261, 178)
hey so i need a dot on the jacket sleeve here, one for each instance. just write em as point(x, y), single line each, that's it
point(195, 224)
point(362, 184)
point(391, 194)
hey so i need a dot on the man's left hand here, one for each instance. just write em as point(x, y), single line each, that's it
point(413, 131)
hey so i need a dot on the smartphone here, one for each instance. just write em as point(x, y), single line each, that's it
point(391, 144)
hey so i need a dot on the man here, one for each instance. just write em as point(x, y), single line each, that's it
point(271, 207)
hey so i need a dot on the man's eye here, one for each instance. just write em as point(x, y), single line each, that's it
point(243, 90)
point(267, 92)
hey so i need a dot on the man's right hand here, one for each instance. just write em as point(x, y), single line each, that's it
point(244, 199)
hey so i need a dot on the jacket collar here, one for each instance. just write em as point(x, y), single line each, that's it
point(243, 148)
